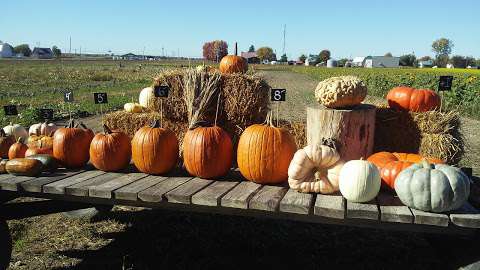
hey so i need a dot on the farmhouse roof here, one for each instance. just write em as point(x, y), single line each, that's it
point(247, 55)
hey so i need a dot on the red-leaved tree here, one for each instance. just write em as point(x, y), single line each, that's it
point(215, 50)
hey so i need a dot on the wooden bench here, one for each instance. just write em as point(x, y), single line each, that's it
point(76, 189)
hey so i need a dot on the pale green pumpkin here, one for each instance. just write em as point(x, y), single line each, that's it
point(432, 187)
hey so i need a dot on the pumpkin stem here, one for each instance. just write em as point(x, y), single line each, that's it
point(106, 129)
point(83, 125)
point(236, 48)
point(51, 134)
point(155, 124)
point(425, 164)
point(2, 133)
point(70, 124)
point(19, 140)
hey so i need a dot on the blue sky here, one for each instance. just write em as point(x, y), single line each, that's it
point(348, 28)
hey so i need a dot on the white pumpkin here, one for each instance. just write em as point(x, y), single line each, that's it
point(359, 181)
point(45, 128)
point(315, 168)
point(133, 107)
point(146, 97)
point(17, 131)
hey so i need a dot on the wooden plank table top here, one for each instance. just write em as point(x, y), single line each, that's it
point(139, 189)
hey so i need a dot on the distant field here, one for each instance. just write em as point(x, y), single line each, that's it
point(40, 84)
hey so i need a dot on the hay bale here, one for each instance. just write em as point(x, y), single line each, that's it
point(432, 134)
point(245, 98)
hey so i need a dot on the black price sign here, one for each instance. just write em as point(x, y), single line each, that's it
point(68, 96)
point(161, 91)
point(10, 110)
point(278, 94)
point(100, 98)
point(46, 114)
point(445, 83)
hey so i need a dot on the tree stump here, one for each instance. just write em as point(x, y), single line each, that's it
point(350, 131)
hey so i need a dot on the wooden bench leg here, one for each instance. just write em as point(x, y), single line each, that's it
point(89, 212)
point(6, 245)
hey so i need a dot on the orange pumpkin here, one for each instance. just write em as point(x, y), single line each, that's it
point(233, 63)
point(207, 152)
point(411, 99)
point(36, 141)
point(154, 149)
point(5, 142)
point(110, 151)
point(391, 164)
point(17, 150)
point(71, 145)
point(264, 154)
point(40, 149)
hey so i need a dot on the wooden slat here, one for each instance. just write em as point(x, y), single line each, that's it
point(35, 185)
point(12, 183)
point(81, 189)
point(296, 202)
point(5, 176)
point(267, 198)
point(58, 187)
point(184, 193)
point(393, 210)
point(430, 218)
point(467, 216)
point(212, 194)
point(156, 193)
point(130, 192)
point(331, 206)
point(105, 190)
point(368, 210)
point(239, 196)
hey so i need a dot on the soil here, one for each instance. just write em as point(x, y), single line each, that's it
point(134, 238)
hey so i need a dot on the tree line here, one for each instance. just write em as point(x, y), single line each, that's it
point(27, 52)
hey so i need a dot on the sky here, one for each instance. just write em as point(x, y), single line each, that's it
point(348, 28)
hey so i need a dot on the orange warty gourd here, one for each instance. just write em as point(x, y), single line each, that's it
point(411, 99)
point(264, 154)
point(39, 149)
point(5, 142)
point(71, 145)
point(17, 150)
point(110, 151)
point(207, 152)
point(154, 149)
point(391, 164)
point(233, 63)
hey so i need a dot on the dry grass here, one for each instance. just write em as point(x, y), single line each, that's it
point(432, 134)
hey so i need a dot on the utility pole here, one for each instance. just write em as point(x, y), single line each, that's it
point(178, 52)
point(163, 51)
point(284, 34)
point(70, 49)
point(80, 51)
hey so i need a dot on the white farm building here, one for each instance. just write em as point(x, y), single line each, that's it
point(376, 62)
point(6, 50)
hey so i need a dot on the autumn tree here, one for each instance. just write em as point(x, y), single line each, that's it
point(266, 53)
point(442, 48)
point(23, 49)
point(215, 50)
point(302, 58)
point(323, 56)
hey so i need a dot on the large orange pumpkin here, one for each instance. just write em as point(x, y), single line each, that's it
point(17, 150)
point(233, 63)
point(391, 164)
point(264, 154)
point(207, 152)
point(5, 142)
point(110, 151)
point(154, 149)
point(71, 145)
point(411, 99)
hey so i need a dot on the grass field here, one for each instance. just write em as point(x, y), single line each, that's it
point(139, 239)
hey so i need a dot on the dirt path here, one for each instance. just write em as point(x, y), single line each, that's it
point(300, 89)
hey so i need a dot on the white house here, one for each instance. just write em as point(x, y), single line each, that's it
point(381, 62)
point(6, 50)
point(425, 63)
point(358, 61)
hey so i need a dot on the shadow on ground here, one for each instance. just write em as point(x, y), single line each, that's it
point(162, 239)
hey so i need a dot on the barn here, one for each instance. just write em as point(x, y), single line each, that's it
point(381, 62)
point(251, 57)
point(6, 50)
point(42, 53)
